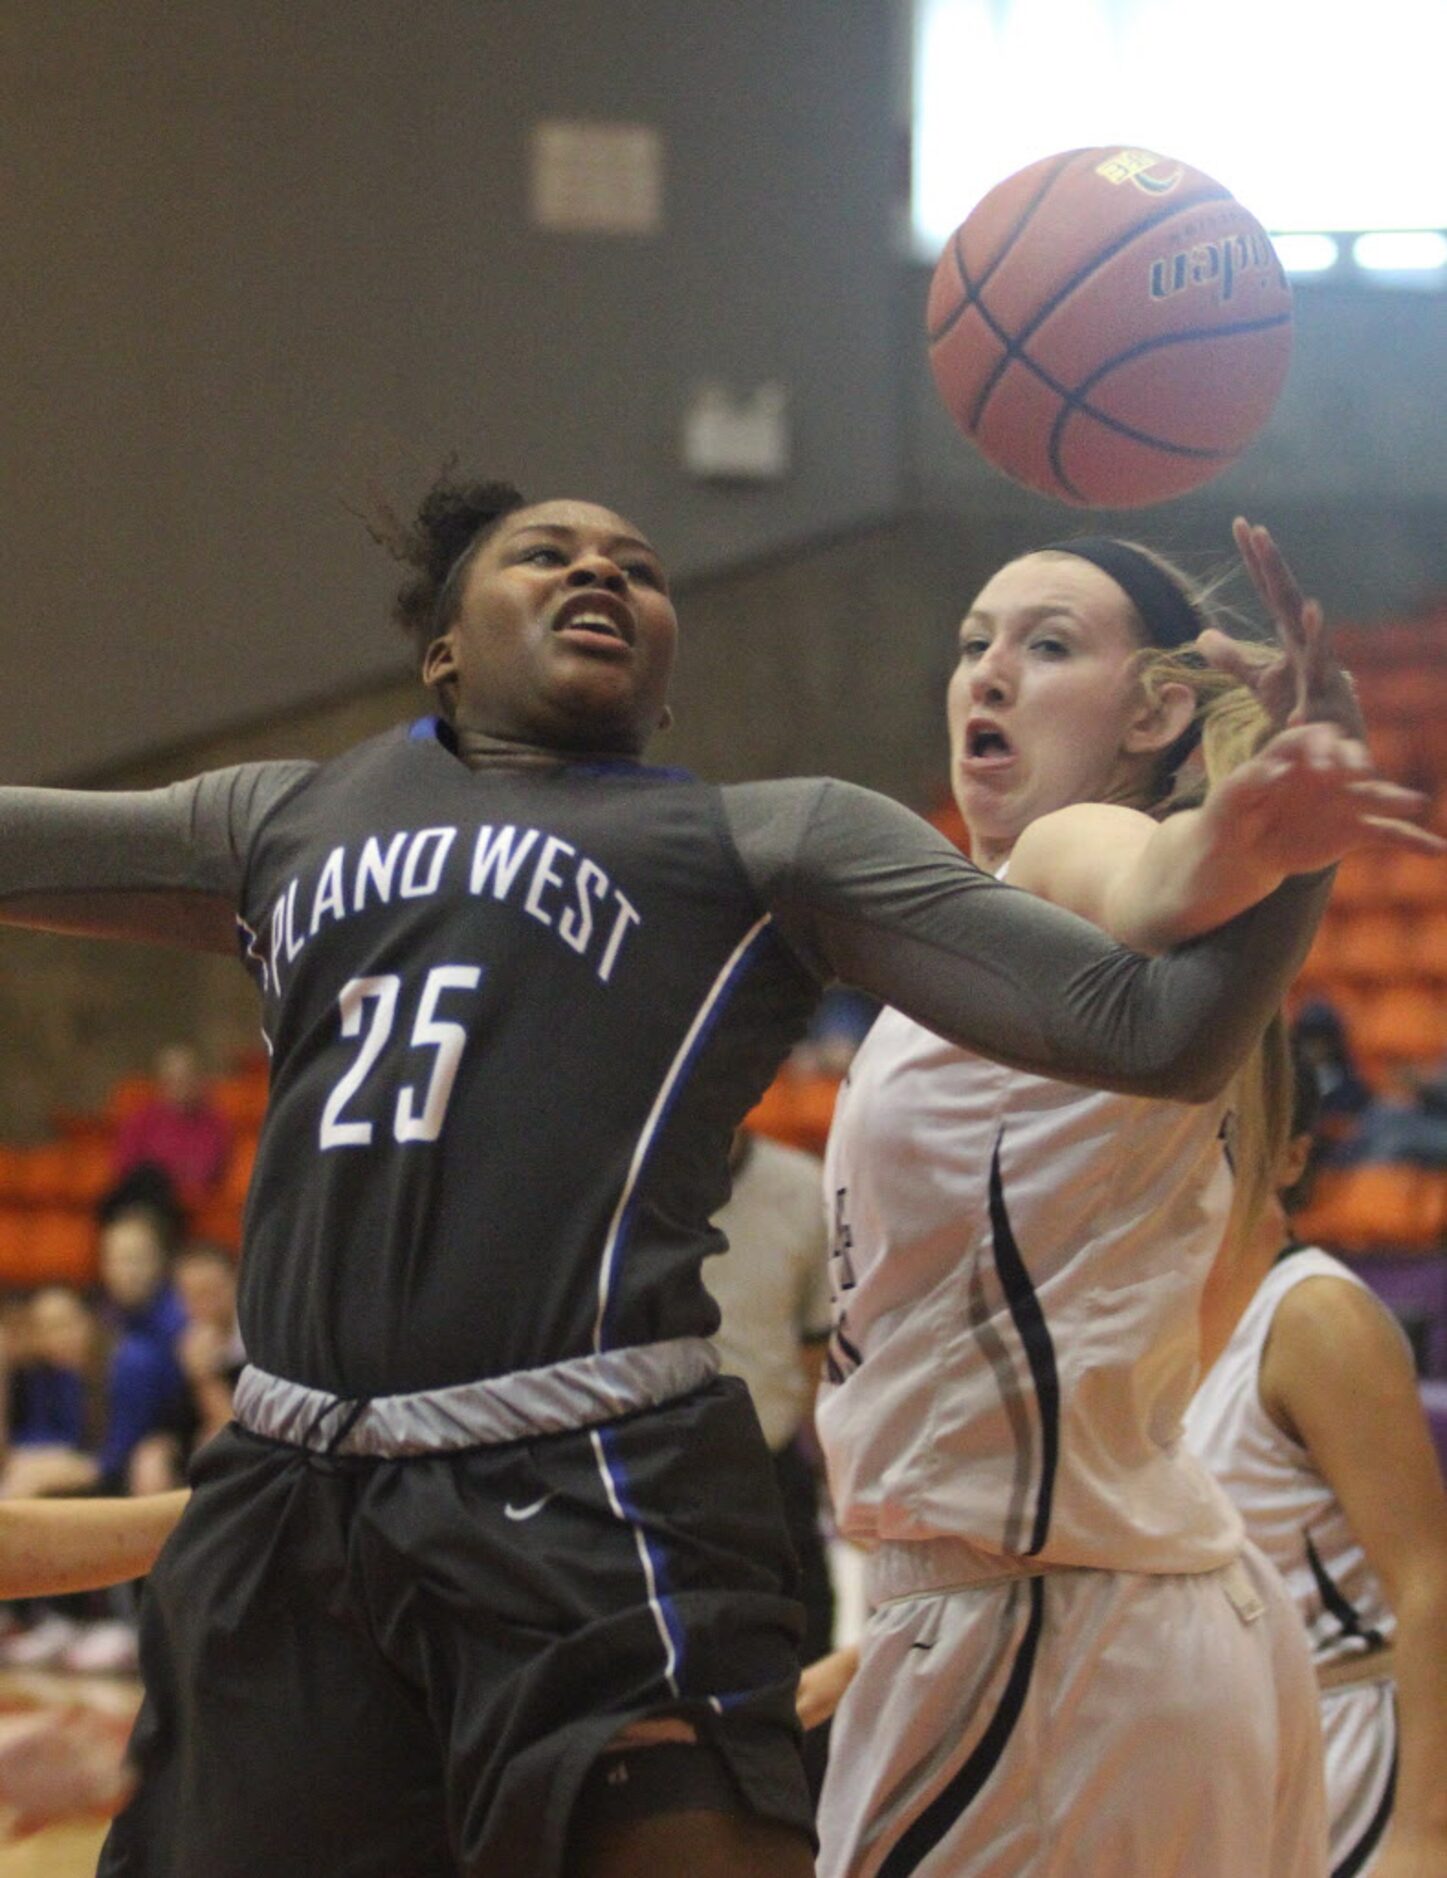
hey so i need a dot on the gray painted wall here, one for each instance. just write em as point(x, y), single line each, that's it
point(247, 242)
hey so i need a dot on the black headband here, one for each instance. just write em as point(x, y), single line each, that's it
point(1165, 612)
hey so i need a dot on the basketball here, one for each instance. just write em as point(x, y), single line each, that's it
point(1109, 327)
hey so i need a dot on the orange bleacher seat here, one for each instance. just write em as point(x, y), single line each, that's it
point(61, 1247)
point(1394, 748)
point(796, 1110)
point(1413, 879)
point(12, 1172)
point(90, 1172)
point(45, 1174)
point(1359, 879)
point(128, 1095)
point(241, 1099)
point(1380, 1206)
point(1427, 950)
point(14, 1238)
point(1371, 946)
point(1400, 692)
point(1402, 1023)
point(217, 1221)
point(237, 1177)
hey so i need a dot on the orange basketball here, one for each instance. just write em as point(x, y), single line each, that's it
point(1110, 327)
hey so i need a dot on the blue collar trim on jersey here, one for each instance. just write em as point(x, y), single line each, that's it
point(438, 730)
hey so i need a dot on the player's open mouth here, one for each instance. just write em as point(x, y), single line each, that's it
point(986, 745)
point(596, 619)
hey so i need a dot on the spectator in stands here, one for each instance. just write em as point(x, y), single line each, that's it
point(56, 1411)
point(211, 1350)
point(1342, 1091)
point(211, 1355)
point(146, 1390)
point(181, 1132)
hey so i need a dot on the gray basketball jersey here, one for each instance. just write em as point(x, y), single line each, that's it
point(514, 1016)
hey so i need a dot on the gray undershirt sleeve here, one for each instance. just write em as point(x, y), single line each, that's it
point(866, 892)
point(155, 864)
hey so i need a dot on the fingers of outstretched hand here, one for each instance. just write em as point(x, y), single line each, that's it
point(1317, 746)
point(1271, 576)
point(1394, 832)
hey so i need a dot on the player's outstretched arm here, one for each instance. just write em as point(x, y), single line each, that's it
point(159, 864)
point(1305, 799)
point(866, 892)
point(51, 1547)
point(1338, 1377)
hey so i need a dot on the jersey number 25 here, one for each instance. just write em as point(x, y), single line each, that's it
point(429, 1031)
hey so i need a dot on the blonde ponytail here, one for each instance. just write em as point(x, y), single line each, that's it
point(1227, 727)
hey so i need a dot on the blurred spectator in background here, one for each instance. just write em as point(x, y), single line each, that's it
point(181, 1132)
point(56, 1405)
point(211, 1356)
point(146, 1397)
point(146, 1388)
point(211, 1350)
point(772, 1290)
point(1342, 1091)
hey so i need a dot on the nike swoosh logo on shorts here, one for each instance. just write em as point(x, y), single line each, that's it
point(527, 1512)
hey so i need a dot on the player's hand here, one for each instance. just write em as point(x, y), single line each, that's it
point(822, 1686)
point(1301, 683)
point(62, 1764)
point(1308, 797)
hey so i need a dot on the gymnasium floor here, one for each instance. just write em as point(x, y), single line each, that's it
point(61, 1851)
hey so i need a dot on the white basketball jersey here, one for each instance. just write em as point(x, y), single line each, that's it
point(1017, 1266)
point(1289, 1509)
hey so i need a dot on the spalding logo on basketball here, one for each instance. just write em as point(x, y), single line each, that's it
point(1110, 327)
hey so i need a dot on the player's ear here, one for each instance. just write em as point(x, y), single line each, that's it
point(439, 662)
point(666, 721)
point(1159, 720)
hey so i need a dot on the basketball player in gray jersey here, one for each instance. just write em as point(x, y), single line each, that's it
point(488, 1574)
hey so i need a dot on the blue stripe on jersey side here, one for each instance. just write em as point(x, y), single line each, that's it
point(660, 1592)
point(1039, 1348)
point(944, 1810)
point(1362, 1851)
point(705, 1022)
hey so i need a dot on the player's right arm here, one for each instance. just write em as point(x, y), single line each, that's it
point(155, 864)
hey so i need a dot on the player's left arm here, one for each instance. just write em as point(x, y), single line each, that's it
point(51, 1547)
point(1299, 804)
point(1337, 1374)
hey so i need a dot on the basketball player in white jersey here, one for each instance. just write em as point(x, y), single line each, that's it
point(1073, 1664)
point(1311, 1420)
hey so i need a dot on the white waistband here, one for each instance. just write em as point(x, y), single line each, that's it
point(910, 1568)
point(527, 1402)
